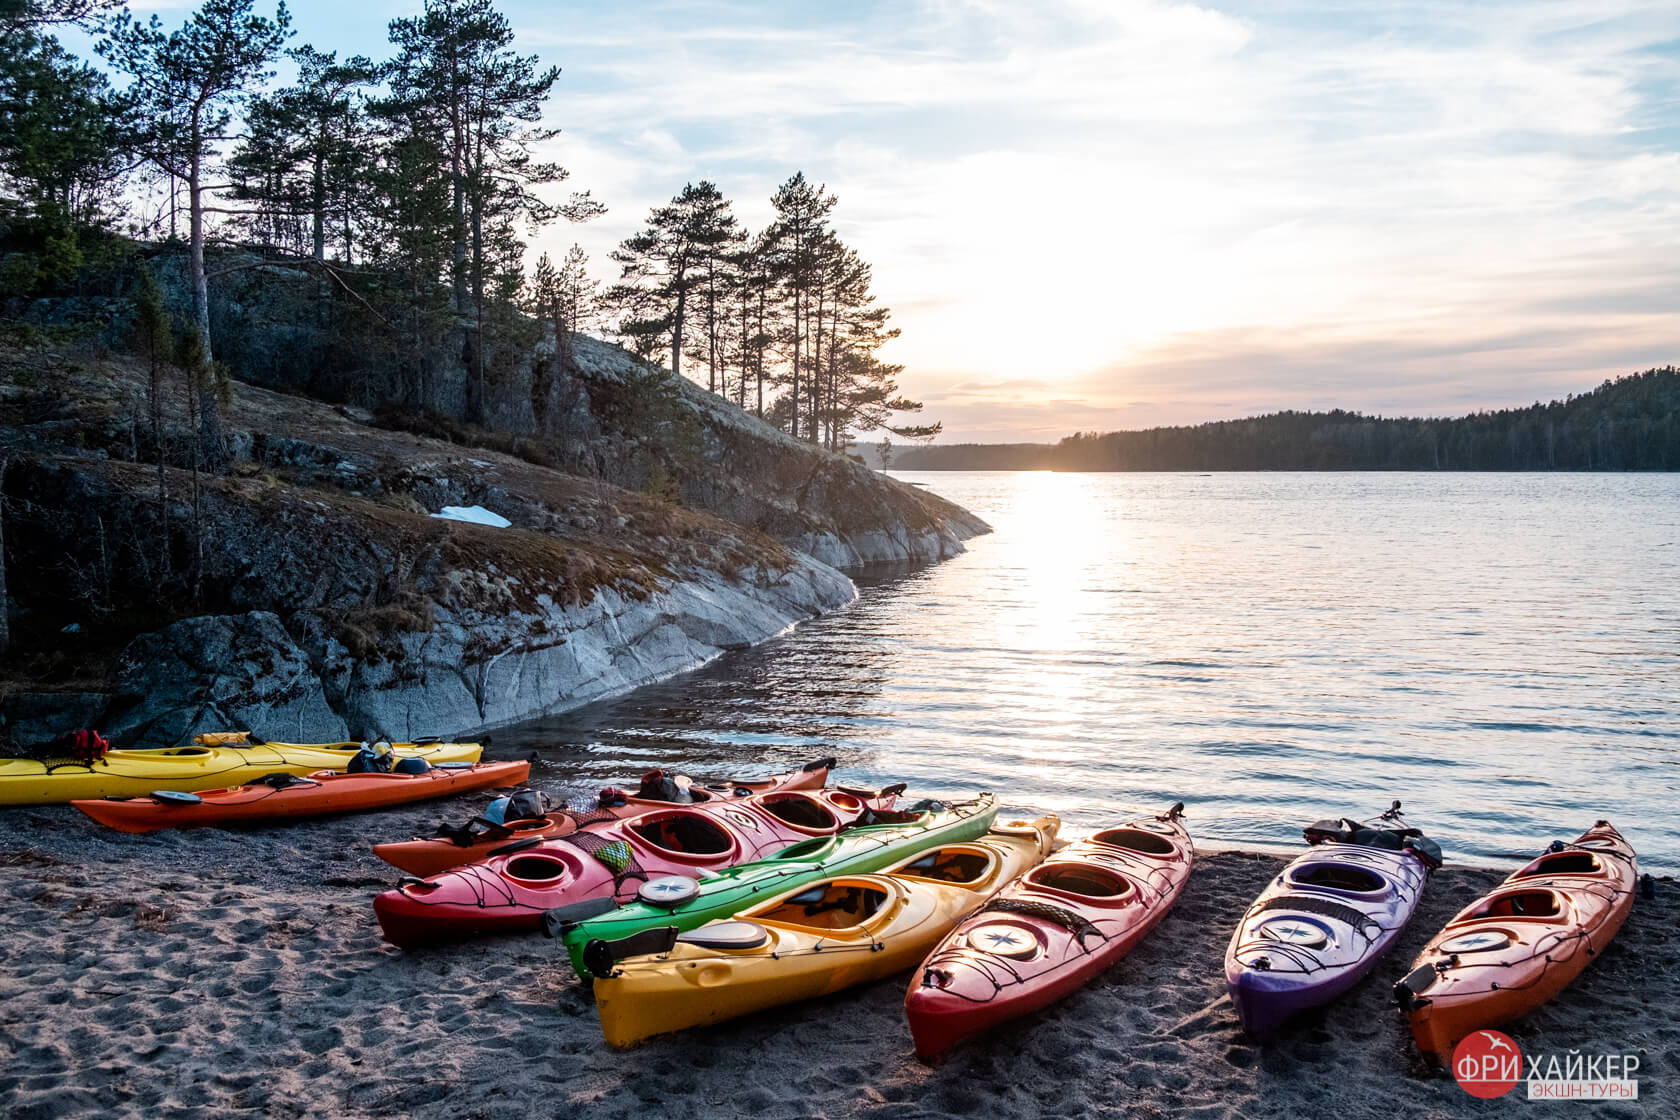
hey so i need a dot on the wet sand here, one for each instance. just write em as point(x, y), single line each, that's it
point(217, 973)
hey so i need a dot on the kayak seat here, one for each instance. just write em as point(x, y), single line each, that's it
point(690, 835)
point(801, 812)
point(1075, 879)
point(831, 906)
point(1564, 863)
point(943, 866)
point(1338, 877)
point(1521, 904)
point(1135, 840)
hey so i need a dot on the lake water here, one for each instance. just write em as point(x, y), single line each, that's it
point(1499, 652)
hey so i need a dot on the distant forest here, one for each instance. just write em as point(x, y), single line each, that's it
point(1629, 424)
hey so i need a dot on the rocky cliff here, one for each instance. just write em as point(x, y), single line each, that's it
point(601, 414)
point(308, 593)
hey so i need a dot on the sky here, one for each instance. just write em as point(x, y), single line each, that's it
point(1091, 215)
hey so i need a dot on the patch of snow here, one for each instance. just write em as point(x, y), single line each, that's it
point(475, 515)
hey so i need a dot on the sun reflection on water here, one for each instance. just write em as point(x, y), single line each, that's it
point(1267, 648)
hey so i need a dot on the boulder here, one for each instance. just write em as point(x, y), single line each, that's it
point(219, 673)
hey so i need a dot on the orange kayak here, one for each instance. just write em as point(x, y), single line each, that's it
point(1522, 943)
point(282, 796)
point(451, 848)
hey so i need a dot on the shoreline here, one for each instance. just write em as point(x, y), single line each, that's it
point(214, 973)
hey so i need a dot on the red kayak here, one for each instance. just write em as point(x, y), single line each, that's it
point(283, 796)
point(1051, 931)
point(606, 863)
point(455, 847)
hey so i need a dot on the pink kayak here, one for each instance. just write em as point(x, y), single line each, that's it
point(609, 862)
point(1051, 931)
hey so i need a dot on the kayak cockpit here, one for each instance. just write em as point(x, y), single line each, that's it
point(1529, 903)
point(801, 812)
point(1340, 878)
point(1079, 880)
point(1136, 840)
point(1563, 863)
point(685, 834)
point(838, 904)
point(536, 868)
point(950, 865)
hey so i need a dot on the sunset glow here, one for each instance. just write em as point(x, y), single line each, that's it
point(1088, 216)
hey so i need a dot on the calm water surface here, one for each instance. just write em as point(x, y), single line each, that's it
point(1499, 652)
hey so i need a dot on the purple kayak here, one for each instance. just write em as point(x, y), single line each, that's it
point(1319, 927)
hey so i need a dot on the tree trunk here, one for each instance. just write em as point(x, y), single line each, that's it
point(195, 251)
point(815, 391)
point(458, 187)
point(677, 327)
point(794, 430)
point(711, 330)
point(154, 393)
point(5, 623)
point(318, 189)
point(478, 305)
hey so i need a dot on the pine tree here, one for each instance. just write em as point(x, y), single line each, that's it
point(795, 238)
point(23, 18)
point(186, 87)
point(61, 151)
point(153, 339)
point(682, 251)
point(304, 157)
point(457, 80)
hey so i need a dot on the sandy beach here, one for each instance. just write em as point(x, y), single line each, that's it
point(218, 973)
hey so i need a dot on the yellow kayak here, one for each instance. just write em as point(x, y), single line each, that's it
point(213, 762)
point(815, 940)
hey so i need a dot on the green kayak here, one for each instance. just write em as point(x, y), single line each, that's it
point(602, 936)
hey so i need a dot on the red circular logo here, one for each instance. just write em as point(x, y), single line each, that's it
point(1487, 1064)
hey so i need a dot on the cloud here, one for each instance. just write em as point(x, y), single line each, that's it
point(1175, 208)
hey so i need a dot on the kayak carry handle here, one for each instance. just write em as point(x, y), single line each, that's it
point(561, 920)
point(601, 957)
point(821, 764)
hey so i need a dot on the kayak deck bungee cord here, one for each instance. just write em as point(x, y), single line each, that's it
point(1521, 944)
point(1051, 931)
point(1323, 923)
point(595, 937)
point(455, 847)
point(609, 861)
point(814, 938)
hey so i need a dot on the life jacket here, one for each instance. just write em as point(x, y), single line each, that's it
point(657, 787)
point(374, 758)
point(84, 746)
point(526, 805)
